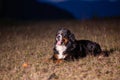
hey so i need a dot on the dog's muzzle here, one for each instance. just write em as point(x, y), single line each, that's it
point(61, 40)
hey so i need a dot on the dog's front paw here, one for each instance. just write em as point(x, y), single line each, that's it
point(58, 61)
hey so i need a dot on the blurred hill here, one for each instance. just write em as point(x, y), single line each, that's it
point(53, 10)
point(32, 10)
point(88, 9)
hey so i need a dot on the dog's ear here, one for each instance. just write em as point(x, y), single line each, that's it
point(72, 37)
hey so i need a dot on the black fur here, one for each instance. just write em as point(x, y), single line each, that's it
point(79, 48)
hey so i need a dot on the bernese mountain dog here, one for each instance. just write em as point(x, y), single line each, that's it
point(66, 47)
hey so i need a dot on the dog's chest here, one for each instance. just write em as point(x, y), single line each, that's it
point(61, 49)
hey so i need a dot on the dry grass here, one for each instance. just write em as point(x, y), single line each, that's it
point(25, 47)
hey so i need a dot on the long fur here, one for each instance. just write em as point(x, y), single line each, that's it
point(76, 49)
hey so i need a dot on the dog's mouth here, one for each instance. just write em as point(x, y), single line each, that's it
point(64, 41)
point(59, 42)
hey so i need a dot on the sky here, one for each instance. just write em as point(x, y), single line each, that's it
point(88, 8)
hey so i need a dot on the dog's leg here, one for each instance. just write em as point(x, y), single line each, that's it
point(58, 61)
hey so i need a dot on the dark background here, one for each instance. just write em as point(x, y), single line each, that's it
point(53, 10)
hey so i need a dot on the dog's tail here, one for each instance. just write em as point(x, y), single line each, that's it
point(106, 53)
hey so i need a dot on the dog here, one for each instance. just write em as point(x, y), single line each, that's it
point(66, 47)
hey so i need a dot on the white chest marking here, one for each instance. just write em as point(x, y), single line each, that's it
point(61, 49)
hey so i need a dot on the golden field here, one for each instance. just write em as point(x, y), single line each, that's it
point(25, 47)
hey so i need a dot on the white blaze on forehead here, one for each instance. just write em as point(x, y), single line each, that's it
point(61, 49)
point(60, 37)
point(59, 40)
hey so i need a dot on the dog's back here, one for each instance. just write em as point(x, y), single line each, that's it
point(88, 47)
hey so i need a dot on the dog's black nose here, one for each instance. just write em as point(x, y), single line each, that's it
point(58, 36)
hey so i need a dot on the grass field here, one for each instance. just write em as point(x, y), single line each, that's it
point(25, 47)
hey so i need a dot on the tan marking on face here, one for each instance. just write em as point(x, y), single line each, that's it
point(65, 40)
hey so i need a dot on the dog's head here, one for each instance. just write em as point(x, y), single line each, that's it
point(64, 43)
point(63, 36)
